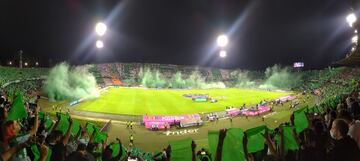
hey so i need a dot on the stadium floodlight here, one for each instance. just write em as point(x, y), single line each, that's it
point(354, 39)
point(10, 63)
point(222, 54)
point(222, 40)
point(26, 64)
point(100, 29)
point(37, 63)
point(99, 44)
point(351, 19)
point(352, 49)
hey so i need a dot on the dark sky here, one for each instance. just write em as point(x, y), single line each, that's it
point(262, 32)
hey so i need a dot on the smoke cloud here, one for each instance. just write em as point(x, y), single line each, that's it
point(65, 82)
point(154, 79)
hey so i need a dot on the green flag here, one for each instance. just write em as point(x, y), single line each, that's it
point(63, 124)
point(233, 149)
point(290, 142)
point(99, 136)
point(75, 127)
point(17, 110)
point(48, 122)
point(213, 138)
point(35, 151)
point(89, 128)
point(300, 120)
point(41, 115)
point(115, 147)
point(181, 150)
point(255, 139)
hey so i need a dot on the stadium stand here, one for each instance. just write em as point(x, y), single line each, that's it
point(326, 132)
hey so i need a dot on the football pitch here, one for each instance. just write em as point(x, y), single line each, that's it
point(140, 101)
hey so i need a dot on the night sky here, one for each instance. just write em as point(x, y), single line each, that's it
point(262, 32)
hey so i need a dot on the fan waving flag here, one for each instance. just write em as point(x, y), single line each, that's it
point(232, 149)
point(89, 128)
point(63, 125)
point(99, 136)
point(17, 110)
point(255, 139)
point(289, 139)
point(213, 138)
point(181, 150)
point(300, 120)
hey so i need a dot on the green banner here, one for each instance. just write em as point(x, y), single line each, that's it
point(300, 120)
point(255, 139)
point(17, 110)
point(181, 150)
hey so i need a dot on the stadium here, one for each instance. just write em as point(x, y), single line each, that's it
point(97, 105)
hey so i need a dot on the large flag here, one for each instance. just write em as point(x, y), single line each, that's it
point(300, 120)
point(255, 139)
point(181, 150)
point(213, 138)
point(290, 142)
point(115, 147)
point(17, 110)
point(232, 149)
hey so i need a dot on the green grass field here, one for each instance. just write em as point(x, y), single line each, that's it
point(134, 101)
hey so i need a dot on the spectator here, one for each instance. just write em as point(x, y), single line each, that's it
point(80, 154)
point(107, 154)
point(345, 148)
point(11, 137)
point(354, 126)
point(59, 143)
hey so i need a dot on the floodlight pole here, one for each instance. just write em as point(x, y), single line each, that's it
point(20, 58)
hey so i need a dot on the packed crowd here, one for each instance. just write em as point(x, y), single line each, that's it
point(328, 133)
point(333, 135)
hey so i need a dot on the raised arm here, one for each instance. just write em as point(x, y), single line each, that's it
point(78, 134)
point(220, 145)
point(120, 150)
point(270, 144)
point(56, 123)
point(68, 132)
point(7, 155)
point(36, 121)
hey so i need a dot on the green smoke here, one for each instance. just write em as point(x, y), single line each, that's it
point(275, 77)
point(65, 82)
point(154, 79)
point(242, 79)
point(280, 78)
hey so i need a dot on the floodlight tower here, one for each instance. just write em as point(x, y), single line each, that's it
point(222, 41)
point(351, 19)
point(20, 52)
point(100, 30)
